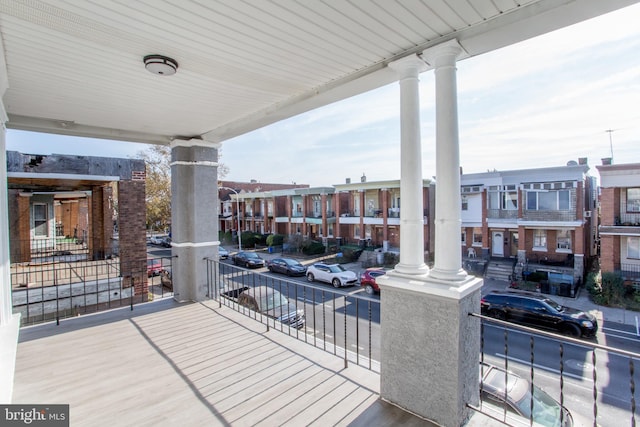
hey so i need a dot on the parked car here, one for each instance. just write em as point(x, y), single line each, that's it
point(288, 266)
point(368, 279)
point(247, 259)
point(223, 253)
point(272, 303)
point(538, 311)
point(155, 240)
point(514, 400)
point(166, 242)
point(154, 267)
point(335, 274)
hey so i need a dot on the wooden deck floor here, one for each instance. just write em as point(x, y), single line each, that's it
point(170, 364)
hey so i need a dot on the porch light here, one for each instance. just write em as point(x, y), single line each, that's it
point(161, 65)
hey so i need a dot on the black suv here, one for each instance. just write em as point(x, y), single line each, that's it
point(538, 311)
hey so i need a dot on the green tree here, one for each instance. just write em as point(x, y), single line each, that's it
point(158, 185)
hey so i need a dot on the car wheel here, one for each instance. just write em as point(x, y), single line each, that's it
point(270, 268)
point(369, 289)
point(572, 330)
point(310, 277)
point(335, 283)
point(498, 314)
point(246, 264)
point(288, 273)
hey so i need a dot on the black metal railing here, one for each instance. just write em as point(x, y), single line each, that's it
point(342, 324)
point(68, 287)
point(595, 382)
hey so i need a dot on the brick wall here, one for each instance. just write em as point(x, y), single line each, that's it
point(19, 227)
point(609, 205)
point(100, 245)
point(610, 252)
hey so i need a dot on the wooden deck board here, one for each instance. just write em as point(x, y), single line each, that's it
point(167, 364)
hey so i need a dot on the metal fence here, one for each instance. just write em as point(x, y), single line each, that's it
point(594, 382)
point(344, 325)
point(67, 287)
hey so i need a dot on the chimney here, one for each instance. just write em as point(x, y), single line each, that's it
point(347, 181)
point(363, 178)
point(582, 160)
point(606, 160)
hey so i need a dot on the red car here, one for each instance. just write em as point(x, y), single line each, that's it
point(154, 267)
point(368, 279)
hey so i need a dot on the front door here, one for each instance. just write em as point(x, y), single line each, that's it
point(497, 244)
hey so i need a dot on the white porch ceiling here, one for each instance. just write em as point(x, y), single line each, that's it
point(75, 66)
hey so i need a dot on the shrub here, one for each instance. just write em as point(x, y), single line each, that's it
point(251, 239)
point(350, 254)
point(390, 259)
point(311, 247)
point(275, 240)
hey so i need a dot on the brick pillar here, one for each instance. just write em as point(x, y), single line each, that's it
point(385, 219)
point(323, 208)
point(289, 214)
point(101, 223)
point(336, 230)
point(131, 226)
point(19, 227)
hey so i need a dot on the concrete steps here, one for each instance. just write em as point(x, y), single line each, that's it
point(499, 270)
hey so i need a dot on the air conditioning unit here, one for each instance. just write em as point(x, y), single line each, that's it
point(587, 214)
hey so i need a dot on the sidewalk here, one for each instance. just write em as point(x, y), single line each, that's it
point(581, 301)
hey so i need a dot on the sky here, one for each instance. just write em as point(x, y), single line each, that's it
point(571, 93)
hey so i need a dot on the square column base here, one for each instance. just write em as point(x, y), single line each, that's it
point(430, 346)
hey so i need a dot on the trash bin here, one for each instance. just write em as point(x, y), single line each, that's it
point(379, 256)
point(270, 249)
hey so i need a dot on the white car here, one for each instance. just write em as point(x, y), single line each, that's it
point(335, 274)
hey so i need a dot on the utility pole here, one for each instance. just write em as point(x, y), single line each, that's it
point(610, 132)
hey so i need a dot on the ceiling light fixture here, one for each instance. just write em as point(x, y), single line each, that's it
point(160, 65)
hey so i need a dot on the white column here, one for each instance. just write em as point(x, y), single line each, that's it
point(434, 372)
point(9, 322)
point(411, 213)
point(448, 258)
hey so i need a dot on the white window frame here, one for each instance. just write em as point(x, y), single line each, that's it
point(40, 221)
point(633, 202)
point(633, 247)
point(563, 241)
point(539, 240)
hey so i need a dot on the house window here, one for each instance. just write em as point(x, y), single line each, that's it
point(633, 199)
point(540, 239)
point(510, 200)
point(477, 237)
point(493, 200)
point(548, 200)
point(356, 232)
point(40, 220)
point(463, 238)
point(465, 203)
point(563, 240)
point(633, 247)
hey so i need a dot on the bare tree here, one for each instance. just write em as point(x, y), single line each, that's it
point(158, 194)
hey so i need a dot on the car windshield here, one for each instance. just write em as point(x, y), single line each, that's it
point(336, 268)
point(546, 411)
point(291, 262)
point(251, 255)
point(272, 300)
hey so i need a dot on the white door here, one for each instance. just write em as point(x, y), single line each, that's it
point(497, 245)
